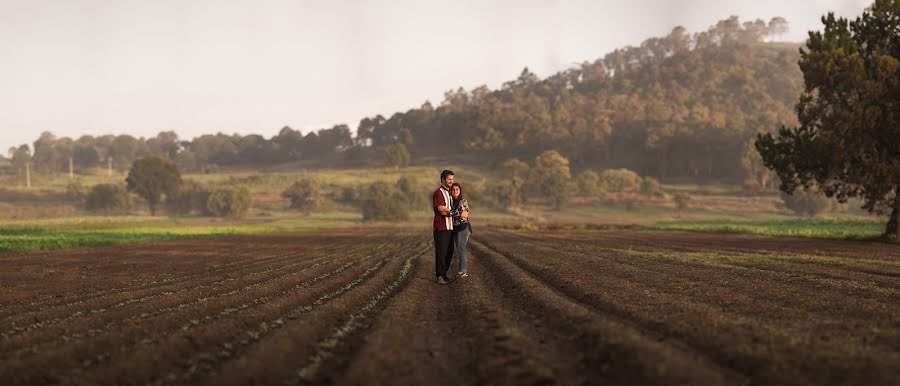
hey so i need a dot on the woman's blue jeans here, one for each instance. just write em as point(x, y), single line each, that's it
point(461, 239)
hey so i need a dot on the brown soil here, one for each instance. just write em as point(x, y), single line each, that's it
point(360, 307)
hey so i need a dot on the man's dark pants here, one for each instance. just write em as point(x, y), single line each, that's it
point(443, 252)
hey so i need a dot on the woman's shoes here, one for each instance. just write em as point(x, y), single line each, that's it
point(462, 274)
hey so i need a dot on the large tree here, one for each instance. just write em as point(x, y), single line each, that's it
point(848, 140)
point(152, 178)
point(552, 178)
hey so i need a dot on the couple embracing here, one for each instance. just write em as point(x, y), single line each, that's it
point(451, 227)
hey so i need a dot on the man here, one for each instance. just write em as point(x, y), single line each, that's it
point(443, 227)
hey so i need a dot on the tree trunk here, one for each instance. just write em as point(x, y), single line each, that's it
point(892, 231)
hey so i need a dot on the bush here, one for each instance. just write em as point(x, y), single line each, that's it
point(305, 194)
point(505, 194)
point(384, 202)
point(682, 200)
point(551, 177)
point(588, 183)
point(108, 198)
point(513, 168)
point(650, 187)
point(233, 201)
point(76, 191)
point(619, 180)
point(191, 197)
point(396, 155)
point(806, 203)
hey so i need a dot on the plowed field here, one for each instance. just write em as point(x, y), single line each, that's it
point(361, 307)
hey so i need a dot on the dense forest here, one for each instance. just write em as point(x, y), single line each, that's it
point(684, 106)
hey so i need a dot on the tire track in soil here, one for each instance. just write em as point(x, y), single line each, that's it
point(467, 332)
point(341, 339)
point(623, 351)
point(412, 341)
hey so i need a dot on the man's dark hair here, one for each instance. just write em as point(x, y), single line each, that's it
point(444, 175)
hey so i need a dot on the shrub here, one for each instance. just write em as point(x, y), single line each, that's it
point(396, 155)
point(650, 187)
point(588, 183)
point(76, 191)
point(232, 201)
point(505, 195)
point(682, 200)
point(384, 202)
point(513, 168)
point(108, 198)
point(305, 194)
point(806, 203)
point(619, 180)
point(191, 197)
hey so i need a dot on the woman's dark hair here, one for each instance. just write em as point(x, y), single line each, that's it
point(444, 175)
point(456, 201)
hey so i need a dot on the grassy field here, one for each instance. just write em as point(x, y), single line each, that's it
point(43, 218)
point(843, 228)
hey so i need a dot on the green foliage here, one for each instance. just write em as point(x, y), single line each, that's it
point(384, 203)
point(153, 178)
point(619, 181)
point(551, 177)
point(672, 106)
point(396, 155)
point(108, 198)
point(76, 191)
point(305, 194)
point(650, 187)
point(847, 143)
point(682, 201)
point(413, 196)
point(505, 194)
point(806, 202)
point(232, 201)
point(514, 168)
point(588, 183)
point(820, 228)
point(191, 197)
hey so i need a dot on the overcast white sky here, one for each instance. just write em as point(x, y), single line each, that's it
point(120, 66)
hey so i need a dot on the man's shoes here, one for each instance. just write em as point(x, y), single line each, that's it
point(441, 280)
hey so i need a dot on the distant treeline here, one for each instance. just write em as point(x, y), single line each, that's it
point(680, 106)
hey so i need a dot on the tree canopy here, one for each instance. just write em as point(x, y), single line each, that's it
point(678, 106)
point(848, 141)
point(152, 178)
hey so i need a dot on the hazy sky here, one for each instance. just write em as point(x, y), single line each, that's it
point(98, 67)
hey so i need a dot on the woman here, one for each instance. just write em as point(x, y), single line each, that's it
point(461, 227)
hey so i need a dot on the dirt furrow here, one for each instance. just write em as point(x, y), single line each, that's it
point(159, 283)
point(734, 317)
point(90, 278)
point(621, 352)
point(77, 333)
point(43, 318)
